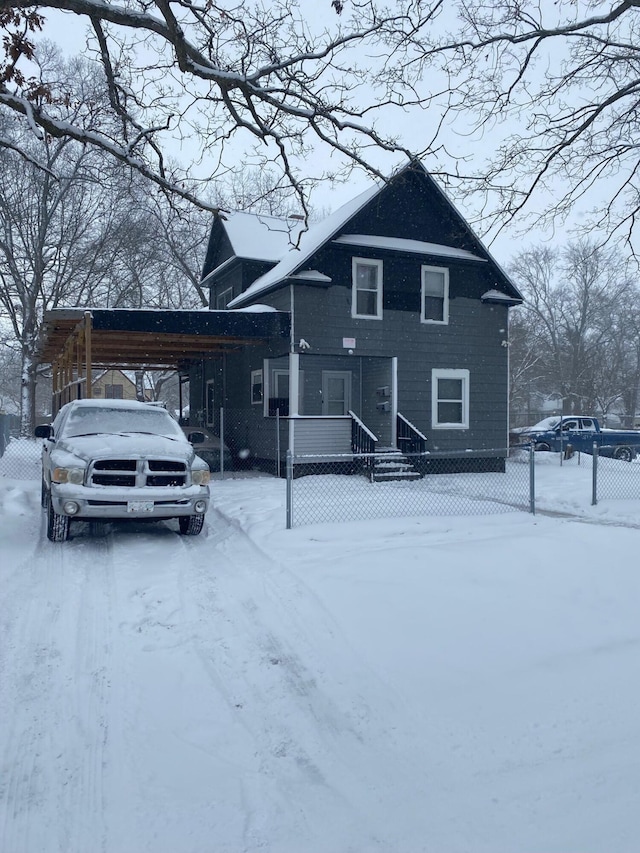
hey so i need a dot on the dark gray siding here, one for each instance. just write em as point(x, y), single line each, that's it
point(473, 339)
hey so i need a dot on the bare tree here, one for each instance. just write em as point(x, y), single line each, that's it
point(250, 84)
point(574, 319)
point(62, 221)
point(551, 93)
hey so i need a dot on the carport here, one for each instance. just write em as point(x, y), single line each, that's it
point(77, 340)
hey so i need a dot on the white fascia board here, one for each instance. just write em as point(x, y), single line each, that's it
point(400, 244)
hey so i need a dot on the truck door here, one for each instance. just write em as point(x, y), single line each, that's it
point(569, 433)
point(587, 434)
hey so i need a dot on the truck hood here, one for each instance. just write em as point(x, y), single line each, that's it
point(125, 446)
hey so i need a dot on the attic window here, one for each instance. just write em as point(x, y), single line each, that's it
point(366, 292)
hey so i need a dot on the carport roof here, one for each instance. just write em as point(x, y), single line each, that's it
point(163, 338)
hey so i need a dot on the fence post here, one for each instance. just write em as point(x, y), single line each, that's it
point(594, 476)
point(221, 442)
point(532, 480)
point(277, 442)
point(289, 488)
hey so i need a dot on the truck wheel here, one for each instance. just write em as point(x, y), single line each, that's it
point(191, 525)
point(542, 445)
point(57, 525)
point(625, 454)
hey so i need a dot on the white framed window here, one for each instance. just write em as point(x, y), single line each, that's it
point(224, 298)
point(366, 291)
point(279, 391)
point(210, 413)
point(256, 387)
point(450, 399)
point(435, 295)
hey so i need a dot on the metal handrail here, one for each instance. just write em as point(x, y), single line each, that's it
point(409, 437)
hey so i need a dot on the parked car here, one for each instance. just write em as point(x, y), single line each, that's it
point(209, 448)
point(577, 433)
point(106, 460)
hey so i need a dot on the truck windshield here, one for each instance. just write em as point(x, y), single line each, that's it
point(93, 420)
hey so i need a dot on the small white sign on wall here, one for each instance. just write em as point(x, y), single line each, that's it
point(349, 343)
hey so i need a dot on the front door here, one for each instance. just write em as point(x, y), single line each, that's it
point(336, 392)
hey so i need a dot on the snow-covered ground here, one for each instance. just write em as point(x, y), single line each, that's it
point(424, 684)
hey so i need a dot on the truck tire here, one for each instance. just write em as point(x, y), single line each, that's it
point(191, 525)
point(542, 445)
point(57, 525)
point(624, 453)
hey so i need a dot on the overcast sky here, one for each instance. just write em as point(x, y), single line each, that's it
point(69, 31)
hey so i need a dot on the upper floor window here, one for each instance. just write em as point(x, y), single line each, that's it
point(366, 294)
point(435, 295)
point(114, 392)
point(450, 399)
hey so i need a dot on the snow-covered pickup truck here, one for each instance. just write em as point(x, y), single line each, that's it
point(107, 460)
point(578, 433)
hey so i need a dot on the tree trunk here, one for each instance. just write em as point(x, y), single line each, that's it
point(28, 395)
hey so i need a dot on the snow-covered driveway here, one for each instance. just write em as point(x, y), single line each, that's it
point(167, 693)
point(413, 685)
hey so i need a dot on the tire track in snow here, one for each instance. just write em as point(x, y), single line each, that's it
point(312, 727)
point(30, 657)
point(53, 759)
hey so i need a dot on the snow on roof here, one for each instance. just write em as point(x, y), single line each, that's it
point(261, 238)
point(498, 296)
point(310, 242)
point(257, 308)
point(313, 275)
point(399, 244)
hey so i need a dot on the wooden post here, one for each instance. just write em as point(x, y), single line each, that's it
point(87, 353)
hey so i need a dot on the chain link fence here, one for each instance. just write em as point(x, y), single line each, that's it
point(614, 479)
point(365, 486)
point(21, 459)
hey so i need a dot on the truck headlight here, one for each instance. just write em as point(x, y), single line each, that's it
point(68, 475)
point(200, 477)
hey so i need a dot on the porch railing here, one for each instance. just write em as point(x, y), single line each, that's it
point(362, 439)
point(409, 437)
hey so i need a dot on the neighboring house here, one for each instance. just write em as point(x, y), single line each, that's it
point(116, 384)
point(398, 329)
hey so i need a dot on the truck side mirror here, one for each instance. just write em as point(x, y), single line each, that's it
point(43, 431)
point(196, 437)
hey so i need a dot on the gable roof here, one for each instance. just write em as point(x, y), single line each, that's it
point(308, 245)
point(261, 238)
point(291, 264)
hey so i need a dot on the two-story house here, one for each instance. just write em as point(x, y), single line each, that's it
point(398, 328)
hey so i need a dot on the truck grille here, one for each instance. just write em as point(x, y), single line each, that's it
point(138, 472)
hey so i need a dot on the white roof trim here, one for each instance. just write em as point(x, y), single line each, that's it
point(399, 244)
point(312, 275)
point(498, 296)
point(218, 269)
